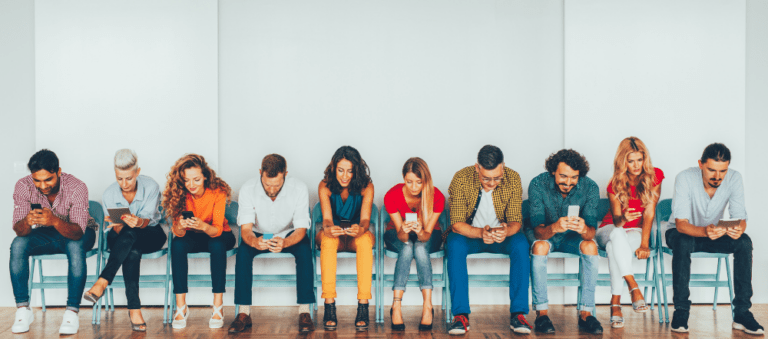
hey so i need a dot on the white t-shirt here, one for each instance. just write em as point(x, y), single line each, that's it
point(486, 214)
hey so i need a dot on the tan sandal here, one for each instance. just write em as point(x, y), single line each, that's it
point(638, 306)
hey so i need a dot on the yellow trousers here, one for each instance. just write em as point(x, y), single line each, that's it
point(328, 249)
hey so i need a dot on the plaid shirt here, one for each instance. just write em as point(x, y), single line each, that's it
point(71, 204)
point(464, 189)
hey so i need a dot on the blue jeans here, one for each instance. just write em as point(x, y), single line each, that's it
point(305, 290)
point(567, 242)
point(195, 242)
point(457, 248)
point(47, 240)
point(407, 251)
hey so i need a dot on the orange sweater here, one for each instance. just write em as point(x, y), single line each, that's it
point(210, 209)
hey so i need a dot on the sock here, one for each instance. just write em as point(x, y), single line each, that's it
point(303, 308)
point(245, 309)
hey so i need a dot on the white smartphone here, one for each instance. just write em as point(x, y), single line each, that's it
point(573, 211)
point(410, 217)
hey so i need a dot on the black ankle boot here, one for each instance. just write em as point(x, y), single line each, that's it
point(330, 315)
point(362, 315)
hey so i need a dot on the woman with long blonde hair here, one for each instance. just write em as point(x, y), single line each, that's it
point(626, 229)
point(413, 238)
point(194, 188)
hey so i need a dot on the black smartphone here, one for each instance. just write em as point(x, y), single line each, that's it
point(187, 214)
point(36, 206)
point(345, 224)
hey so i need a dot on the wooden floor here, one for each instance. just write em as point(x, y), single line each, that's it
point(282, 322)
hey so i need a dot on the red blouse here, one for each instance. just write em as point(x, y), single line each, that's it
point(634, 202)
point(394, 201)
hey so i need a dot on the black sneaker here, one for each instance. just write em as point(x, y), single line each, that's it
point(518, 324)
point(460, 325)
point(680, 321)
point(591, 325)
point(544, 325)
point(747, 323)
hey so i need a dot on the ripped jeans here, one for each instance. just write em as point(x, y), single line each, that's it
point(567, 242)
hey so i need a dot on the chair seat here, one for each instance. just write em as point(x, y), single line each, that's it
point(206, 255)
point(395, 255)
point(62, 256)
point(153, 255)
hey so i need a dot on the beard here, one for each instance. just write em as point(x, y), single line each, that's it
point(565, 189)
point(714, 184)
point(54, 189)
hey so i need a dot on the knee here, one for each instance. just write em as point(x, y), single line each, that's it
point(75, 250)
point(456, 246)
point(217, 245)
point(328, 242)
point(178, 247)
point(588, 247)
point(364, 241)
point(133, 255)
point(618, 234)
point(19, 247)
point(743, 243)
point(683, 243)
point(518, 245)
point(540, 247)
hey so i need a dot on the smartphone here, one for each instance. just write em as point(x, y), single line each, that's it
point(267, 236)
point(345, 224)
point(187, 214)
point(410, 217)
point(36, 206)
point(573, 211)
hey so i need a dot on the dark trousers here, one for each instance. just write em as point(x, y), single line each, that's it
point(305, 292)
point(196, 242)
point(125, 249)
point(47, 240)
point(683, 245)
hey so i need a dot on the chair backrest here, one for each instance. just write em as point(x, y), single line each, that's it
point(97, 213)
point(317, 218)
point(663, 212)
point(231, 215)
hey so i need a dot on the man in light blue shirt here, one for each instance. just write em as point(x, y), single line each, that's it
point(700, 197)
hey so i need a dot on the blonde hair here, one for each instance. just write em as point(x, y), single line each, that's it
point(419, 167)
point(620, 180)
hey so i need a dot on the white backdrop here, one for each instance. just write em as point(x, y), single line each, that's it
point(394, 79)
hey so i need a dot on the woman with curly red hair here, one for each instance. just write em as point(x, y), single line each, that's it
point(194, 187)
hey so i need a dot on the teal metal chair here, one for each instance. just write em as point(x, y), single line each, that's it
point(60, 281)
point(649, 279)
point(388, 280)
point(204, 280)
point(347, 280)
point(502, 280)
point(663, 213)
point(277, 280)
point(145, 280)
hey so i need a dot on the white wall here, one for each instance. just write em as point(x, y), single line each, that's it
point(282, 76)
point(17, 111)
point(394, 79)
point(664, 71)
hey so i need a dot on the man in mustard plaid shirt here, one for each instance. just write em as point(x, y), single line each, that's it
point(485, 201)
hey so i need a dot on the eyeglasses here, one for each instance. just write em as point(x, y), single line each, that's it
point(489, 180)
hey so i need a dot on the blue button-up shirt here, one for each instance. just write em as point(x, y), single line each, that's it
point(145, 203)
point(690, 201)
point(547, 203)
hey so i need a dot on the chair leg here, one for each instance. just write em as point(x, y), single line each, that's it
point(111, 299)
point(656, 287)
point(663, 285)
point(42, 290)
point(730, 283)
point(647, 276)
point(31, 276)
point(717, 279)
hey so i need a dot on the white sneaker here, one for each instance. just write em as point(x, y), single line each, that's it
point(180, 323)
point(70, 324)
point(24, 317)
point(217, 323)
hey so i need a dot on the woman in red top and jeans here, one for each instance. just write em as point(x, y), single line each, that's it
point(416, 238)
point(626, 229)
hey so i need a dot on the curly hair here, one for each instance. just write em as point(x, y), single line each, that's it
point(419, 167)
point(360, 173)
point(175, 194)
point(620, 180)
point(573, 159)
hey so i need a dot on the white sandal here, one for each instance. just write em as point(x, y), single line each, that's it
point(217, 323)
point(180, 323)
point(636, 305)
point(617, 321)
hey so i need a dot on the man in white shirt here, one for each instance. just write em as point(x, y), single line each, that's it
point(273, 217)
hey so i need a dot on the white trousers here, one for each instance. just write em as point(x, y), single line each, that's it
point(620, 244)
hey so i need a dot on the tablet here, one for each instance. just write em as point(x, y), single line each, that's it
point(116, 213)
point(728, 223)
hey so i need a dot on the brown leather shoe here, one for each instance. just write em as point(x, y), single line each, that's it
point(305, 323)
point(242, 322)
